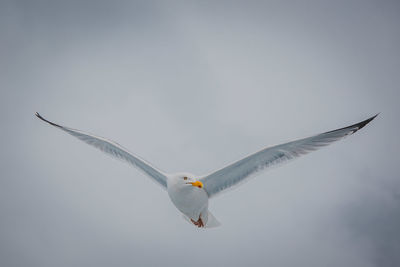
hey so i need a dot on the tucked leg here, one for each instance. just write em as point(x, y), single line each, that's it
point(199, 223)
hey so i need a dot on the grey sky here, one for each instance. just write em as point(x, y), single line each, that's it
point(192, 86)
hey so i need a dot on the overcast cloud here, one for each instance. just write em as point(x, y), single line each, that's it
point(192, 86)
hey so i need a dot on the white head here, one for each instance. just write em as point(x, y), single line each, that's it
point(184, 180)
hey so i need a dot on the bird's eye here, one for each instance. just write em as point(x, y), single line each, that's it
point(185, 178)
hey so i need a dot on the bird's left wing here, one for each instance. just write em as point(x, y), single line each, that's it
point(114, 150)
point(237, 172)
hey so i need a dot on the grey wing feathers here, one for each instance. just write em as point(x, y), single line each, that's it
point(237, 172)
point(115, 150)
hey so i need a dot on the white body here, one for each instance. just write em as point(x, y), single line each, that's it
point(192, 201)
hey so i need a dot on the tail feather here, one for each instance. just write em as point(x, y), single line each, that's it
point(212, 221)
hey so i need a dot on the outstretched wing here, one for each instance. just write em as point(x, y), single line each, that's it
point(114, 150)
point(237, 172)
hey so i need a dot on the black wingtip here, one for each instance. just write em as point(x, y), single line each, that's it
point(363, 123)
point(355, 127)
point(43, 119)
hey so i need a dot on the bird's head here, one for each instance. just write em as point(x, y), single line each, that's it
point(186, 179)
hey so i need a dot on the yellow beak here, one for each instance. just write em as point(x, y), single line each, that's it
point(197, 183)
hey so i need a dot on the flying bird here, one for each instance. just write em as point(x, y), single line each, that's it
point(190, 193)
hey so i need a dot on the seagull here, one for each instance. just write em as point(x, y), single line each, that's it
point(190, 193)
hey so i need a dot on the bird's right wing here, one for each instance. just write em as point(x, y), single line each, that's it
point(239, 171)
point(114, 150)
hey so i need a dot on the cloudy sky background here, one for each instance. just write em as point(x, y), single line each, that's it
point(192, 86)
